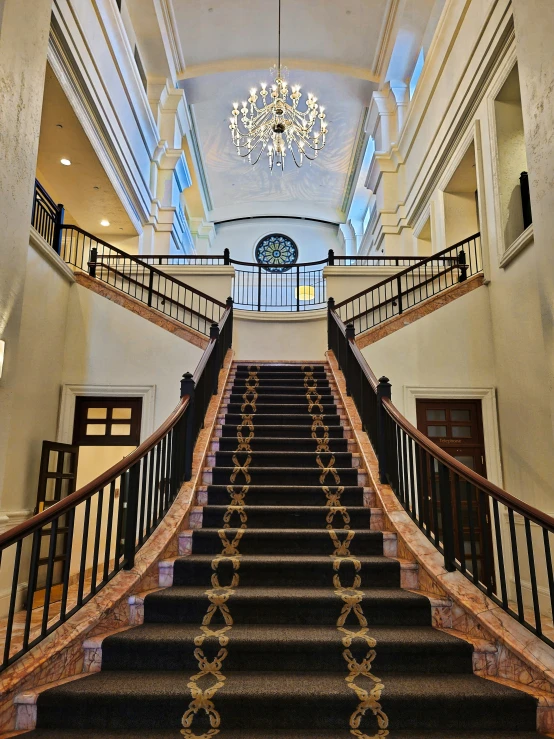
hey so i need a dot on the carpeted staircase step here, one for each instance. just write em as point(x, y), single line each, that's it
point(296, 390)
point(285, 495)
point(284, 517)
point(284, 444)
point(285, 648)
point(282, 409)
point(285, 476)
point(284, 459)
point(263, 370)
point(303, 700)
point(287, 541)
point(300, 430)
point(280, 571)
point(288, 605)
point(279, 418)
point(271, 734)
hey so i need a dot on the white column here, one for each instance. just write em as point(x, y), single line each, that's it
point(23, 51)
point(534, 26)
point(401, 93)
point(386, 106)
point(349, 237)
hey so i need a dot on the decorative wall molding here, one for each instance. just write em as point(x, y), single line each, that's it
point(487, 396)
point(520, 244)
point(42, 247)
point(9, 519)
point(71, 392)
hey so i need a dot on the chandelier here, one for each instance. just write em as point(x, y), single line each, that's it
point(271, 121)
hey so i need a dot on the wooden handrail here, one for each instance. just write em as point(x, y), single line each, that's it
point(398, 275)
point(468, 474)
point(138, 261)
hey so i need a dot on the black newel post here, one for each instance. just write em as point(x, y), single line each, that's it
point(92, 261)
point(350, 336)
point(188, 388)
point(226, 256)
point(216, 363)
point(447, 518)
point(384, 389)
point(58, 229)
point(462, 266)
point(131, 515)
point(330, 309)
point(331, 259)
point(526, 200)
point(229, 304)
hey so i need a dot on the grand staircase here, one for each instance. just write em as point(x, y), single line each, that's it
point(286, 619)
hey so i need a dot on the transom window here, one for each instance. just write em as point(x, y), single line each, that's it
point(277, 251)
point(107, 421)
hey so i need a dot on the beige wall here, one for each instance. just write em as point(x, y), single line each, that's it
point(280, 336)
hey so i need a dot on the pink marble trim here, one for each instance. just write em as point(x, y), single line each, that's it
point(515, 654)
point(419, 311)
point(118, 604)
point(135, 306)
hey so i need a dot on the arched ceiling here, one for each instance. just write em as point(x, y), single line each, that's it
point(337, 49)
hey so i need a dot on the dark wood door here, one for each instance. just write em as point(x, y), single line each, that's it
point(58, 473)
point(457, 427)
point(107, 421)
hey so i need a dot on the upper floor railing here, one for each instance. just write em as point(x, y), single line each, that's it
point(501, 544)
point(140, 280)
point(60, 558)
point(47, 217)
point(411, 286)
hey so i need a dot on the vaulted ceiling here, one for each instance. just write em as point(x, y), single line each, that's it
point(339, 50)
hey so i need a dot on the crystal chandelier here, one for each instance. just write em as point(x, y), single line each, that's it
point(278, 125)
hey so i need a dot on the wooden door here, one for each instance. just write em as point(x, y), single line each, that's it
point(58, 473)
point(457, 427)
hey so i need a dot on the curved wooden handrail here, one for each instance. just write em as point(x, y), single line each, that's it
point(480, 482)
point(63, 506)
point(399, 275)
point(138, 261)
point(289, 267)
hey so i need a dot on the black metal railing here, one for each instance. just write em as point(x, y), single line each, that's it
point(501, 544)
point(47, 217)
point(411, 286)
point(84, 540)
point(525, 200)
point(140, 280)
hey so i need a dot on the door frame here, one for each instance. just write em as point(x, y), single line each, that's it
point(487, 396)
point(70, 393)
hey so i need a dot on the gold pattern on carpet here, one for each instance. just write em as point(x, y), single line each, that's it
point(219, 594)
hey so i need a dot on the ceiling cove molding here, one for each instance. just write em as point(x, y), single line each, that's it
point(199, 159)
point(356, 162)
point(259, 63)
point(383, 47)
point(79, 95)
point(273, 217)
point(168, 26)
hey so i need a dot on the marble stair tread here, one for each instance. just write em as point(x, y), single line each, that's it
point(312, 517)
point(300, 700)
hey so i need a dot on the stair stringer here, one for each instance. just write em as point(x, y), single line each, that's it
point(66, 653)
point(504, 650)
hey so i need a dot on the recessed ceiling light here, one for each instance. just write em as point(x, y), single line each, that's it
point(66, 162)
point(59, 125)
point(104, 222)
point(96, 187)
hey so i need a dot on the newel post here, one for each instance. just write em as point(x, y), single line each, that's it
point(462, 266)
point(131, 487)
point(330, 309)
point(384, 390)
point(58, 229)
point(214, 336)
point(331, 258)
point(92, 261)
point(349, 369)
point(188, 387)
point(226, 257)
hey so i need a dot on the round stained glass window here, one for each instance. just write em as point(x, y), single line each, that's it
point(276, 251)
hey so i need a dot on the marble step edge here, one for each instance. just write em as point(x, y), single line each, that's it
point(369, 498)
point(390, 543)
point(207, 475)
point(376, 522)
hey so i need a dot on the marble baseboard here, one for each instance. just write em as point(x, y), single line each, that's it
point(506, 649)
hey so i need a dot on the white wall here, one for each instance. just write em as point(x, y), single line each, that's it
point(278, 336)
point(108, 345)
point(451, 347)
point(312, 238)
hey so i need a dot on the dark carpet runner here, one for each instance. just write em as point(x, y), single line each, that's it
point(286, 621)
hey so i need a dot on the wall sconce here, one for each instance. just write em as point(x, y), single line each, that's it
point(2, 349)
point(305, 292)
